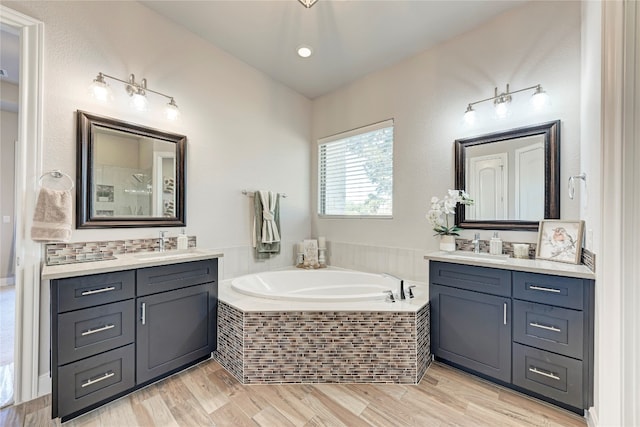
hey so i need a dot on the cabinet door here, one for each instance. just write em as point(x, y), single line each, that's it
point(472, 329)
point(173, 329)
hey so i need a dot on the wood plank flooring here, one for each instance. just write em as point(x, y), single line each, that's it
point(207, 395)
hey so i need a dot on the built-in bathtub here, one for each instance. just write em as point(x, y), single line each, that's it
point(324, 285)
point(301, 331)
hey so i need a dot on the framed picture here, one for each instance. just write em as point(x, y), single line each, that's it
point(560, 241)
point(104, 193)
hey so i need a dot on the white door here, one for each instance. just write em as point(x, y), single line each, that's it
point(487, 185)
point(529, 182)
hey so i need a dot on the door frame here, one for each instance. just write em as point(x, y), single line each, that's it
point(28, 170)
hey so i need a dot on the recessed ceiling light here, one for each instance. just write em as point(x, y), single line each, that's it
point(304, 51)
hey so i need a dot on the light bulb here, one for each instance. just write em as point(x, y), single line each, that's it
point(171, 110)
point(304, 51)
point(100, 90)
point(539, 99)
point(470, 115)
point(139, 102)
point(502, 109)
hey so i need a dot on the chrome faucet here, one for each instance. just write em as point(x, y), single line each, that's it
point(402, 295)
point(476, 243)
point(162, 241)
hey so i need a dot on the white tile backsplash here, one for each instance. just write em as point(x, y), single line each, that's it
point(403, 262)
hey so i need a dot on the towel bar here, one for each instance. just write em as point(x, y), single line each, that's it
point(251, 193)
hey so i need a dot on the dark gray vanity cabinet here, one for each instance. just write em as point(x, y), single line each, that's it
point(177, 326)
point(114, 332)
point(532, 332)
point(479, 340)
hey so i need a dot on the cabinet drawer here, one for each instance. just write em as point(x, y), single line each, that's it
point(555, 290)
point(550, 328)
point(480, 279)
point(551, 375)
point(87, 332)
point(86, 291)
point(95, 379)
point(163, 278)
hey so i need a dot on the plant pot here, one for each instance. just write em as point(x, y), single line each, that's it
point(447, 243)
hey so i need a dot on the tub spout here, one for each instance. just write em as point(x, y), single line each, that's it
point(402, 295)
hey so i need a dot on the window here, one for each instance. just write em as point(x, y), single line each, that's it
point(355, 172)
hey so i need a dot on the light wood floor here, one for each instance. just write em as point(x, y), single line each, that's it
point(207, 395)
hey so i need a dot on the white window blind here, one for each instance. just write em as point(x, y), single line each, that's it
point(355, 171)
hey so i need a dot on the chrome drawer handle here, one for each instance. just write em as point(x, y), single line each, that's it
point(94, 331)
point(97, 380)
point(504, 313)
point(548, 328)
point(545, 374)
point(541, 288)
point(98, 291)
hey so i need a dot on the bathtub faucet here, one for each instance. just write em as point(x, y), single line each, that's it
point(402, 295)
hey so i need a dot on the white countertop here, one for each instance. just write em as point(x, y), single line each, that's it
point(517, 264)
point(248, 303)
point(127, 262)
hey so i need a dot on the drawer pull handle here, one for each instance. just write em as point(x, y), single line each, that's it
point(548, 328)
point(542, 288)
point(545, 374)
point(504, 313)
point(143, 314)
point(98, 291)
point(97, 380)
point(95, 331)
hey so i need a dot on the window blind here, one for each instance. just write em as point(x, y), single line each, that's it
point(356, 172)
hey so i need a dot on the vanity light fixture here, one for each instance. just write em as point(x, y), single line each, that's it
point(308, 3)
point(501, 102)
point(101, 91)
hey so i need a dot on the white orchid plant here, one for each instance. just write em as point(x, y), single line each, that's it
point(441, 209)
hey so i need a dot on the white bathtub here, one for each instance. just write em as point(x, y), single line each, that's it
point(315, 285)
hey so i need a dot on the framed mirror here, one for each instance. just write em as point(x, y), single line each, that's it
point(512, 176)
point(128, 175)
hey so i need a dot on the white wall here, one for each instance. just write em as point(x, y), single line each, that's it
point(427, 96)
point(244, 130)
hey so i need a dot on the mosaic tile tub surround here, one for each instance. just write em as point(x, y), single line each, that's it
point(70, 253)
point(323, 346)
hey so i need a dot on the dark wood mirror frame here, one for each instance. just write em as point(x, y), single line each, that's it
point(551, 133)
point(86, 122)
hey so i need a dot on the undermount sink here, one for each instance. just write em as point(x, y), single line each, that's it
point(472, 256)
point(149, 256)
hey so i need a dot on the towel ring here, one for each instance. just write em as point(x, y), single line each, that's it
point(572, 185)
point(56, 173)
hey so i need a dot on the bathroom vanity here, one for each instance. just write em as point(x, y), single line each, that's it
point(121, 324)
point(525, 324)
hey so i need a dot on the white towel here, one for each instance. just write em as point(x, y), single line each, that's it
point(53, 216)
point(270, 233)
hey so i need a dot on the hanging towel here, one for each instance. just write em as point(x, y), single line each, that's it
point(52, 216)
point(266, 224)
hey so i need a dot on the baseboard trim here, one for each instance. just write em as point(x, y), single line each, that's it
point(44, 384)
point(591, 417)
point(7, 281)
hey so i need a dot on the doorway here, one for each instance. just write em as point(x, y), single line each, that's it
point(27, 254)
point(9, 99)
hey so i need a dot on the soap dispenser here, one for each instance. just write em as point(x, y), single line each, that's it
point(183, 241)
point(495, 245)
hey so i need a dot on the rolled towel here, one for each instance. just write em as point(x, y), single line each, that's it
point(53, 216)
